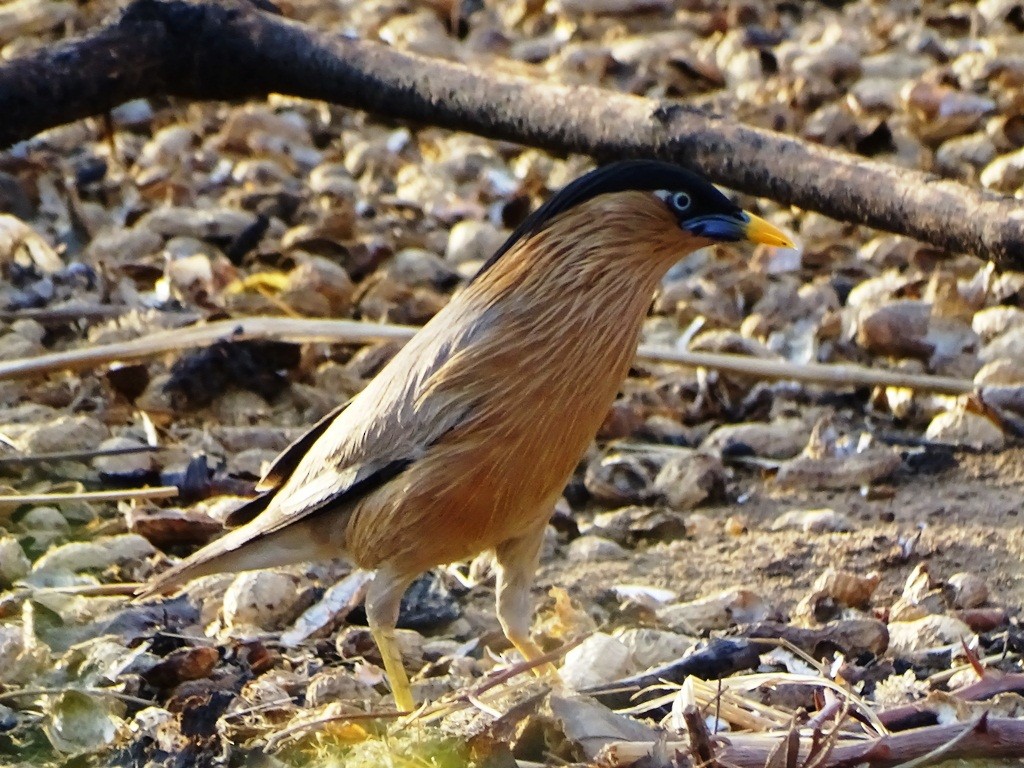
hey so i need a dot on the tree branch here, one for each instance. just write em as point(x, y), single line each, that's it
point(232, 50)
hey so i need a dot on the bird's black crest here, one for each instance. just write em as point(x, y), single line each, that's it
point(627, 175)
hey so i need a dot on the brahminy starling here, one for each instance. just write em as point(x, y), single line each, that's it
point(466, 439)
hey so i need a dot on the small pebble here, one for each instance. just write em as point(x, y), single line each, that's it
point(651, 647)
point(965, 428)
point(125, 463)
point(813, 521)
point(473, 241)
point(967, 590)
point(14, 564)
point(65, 433)
point(594, 549)
point(266, 600)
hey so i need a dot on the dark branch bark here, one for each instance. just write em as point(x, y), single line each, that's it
point(230, 50)
point(721, 657)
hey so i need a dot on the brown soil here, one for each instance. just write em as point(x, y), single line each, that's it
point(968, 517)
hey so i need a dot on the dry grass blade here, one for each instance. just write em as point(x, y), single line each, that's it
point(262, 707)
point(301, 330)
point(125, 588)
point(748, 682)
point(277, 739)
point(941, 677)
point(739, 711)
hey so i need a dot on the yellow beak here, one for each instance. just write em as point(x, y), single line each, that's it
point(760, 231)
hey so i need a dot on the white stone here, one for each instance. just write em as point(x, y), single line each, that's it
point(473, 241)
point(597, 660)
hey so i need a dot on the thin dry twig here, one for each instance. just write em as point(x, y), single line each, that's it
point(261, 707)
point(823, 742)
point(831, 374)
point(162, 342)
point(279, 737)
point(305, 330)
point(118, 589)
point(37, 458)
point(36, 692)
point(132, 494)
point(62, 315)
point(517, 669)
point(938, 678)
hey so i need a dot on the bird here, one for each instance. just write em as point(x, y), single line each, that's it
point(466, 439)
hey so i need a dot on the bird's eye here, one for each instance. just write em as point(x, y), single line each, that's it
point(680, 201)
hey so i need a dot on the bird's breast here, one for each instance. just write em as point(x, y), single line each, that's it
point(533, 399)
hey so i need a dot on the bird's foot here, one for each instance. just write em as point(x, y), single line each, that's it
point(531, 652)
point(392, 656)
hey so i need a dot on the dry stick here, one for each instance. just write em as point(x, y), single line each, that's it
point(227, 49)
point(118, 589)
point(351, 331)
point(837, 374)
point(161, 342)
point(944, 749)
point(132, 494)
point(62, 315)
point(915, 715)
point(95, 453)
point(699, 738)
point(989, 738)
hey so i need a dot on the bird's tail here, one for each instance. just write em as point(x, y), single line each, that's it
point(235, 551)
point(226, 554)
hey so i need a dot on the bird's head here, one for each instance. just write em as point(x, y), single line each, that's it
point(700, 211)
point(706, 213)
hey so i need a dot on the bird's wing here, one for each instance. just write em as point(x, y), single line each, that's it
point(325, 490)
point(281, 469)
point(356, 449)
point(352, 451)
point(289, 459)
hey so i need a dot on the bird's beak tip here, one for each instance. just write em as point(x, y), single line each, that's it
point(760, 231)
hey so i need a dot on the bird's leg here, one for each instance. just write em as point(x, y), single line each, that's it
point(517, 562)
point(382, 601)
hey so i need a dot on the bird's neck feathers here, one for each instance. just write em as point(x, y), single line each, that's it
point(625, 240)
point(607, 254)
point(572, 296)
